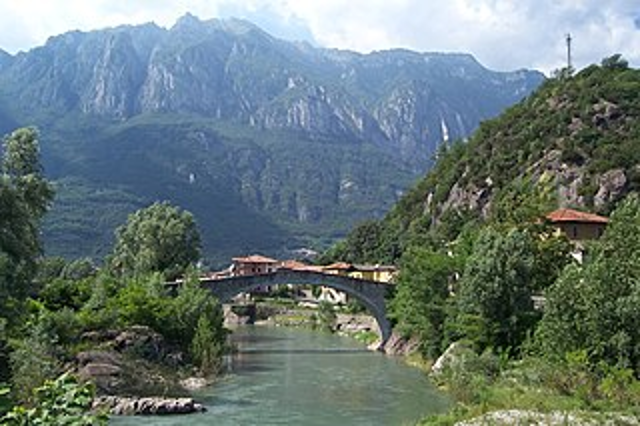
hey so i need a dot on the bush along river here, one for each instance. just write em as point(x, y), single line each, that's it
point(288, 376)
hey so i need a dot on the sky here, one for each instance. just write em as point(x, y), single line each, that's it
point(503, 35)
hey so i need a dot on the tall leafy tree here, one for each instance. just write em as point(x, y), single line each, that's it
point(25, 196)
point(494, 299)
point(596, 306)
point(159, 238)
point(420, 303)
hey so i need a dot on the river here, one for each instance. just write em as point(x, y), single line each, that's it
point(287, 376)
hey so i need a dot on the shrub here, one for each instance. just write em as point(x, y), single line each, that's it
point(61, 402)
point(206, 347)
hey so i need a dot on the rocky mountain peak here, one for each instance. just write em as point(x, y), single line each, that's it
point(5, 59)
point(186, 22)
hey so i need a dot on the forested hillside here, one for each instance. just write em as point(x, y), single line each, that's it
point(577, 137)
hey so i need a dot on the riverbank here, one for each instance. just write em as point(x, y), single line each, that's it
point(491, 390)
point(135, 372)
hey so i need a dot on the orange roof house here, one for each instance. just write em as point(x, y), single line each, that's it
point(254, 265)
point(339, 268)
point(295, 265)
point(577, 225)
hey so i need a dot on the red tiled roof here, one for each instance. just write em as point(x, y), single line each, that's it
point(254, 258)
point(339, 265)
point(292, 264)
point(295, 265)
point(570, 215)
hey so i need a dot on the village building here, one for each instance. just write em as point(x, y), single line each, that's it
point(577, 225)
point(340, 268)
point(379, 273)
point(296, 265)
point(254, 265)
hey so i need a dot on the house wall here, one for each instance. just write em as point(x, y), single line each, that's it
point(249, 268)
point(383, 276)
point(341, 272)
point(582, 231)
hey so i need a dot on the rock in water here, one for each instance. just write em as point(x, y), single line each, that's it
point(131, 406)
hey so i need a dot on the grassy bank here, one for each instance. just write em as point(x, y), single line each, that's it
point(561, 392)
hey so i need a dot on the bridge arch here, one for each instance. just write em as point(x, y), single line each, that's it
point(371, 294)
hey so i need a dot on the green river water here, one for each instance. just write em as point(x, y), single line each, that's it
point(286, 376)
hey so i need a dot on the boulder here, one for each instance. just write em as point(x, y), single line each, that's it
point(104, 368)
point(143, 341)
point(611, 186)
point(95, 356)
point(449, 357)
point(399, 345)
point(131, 406)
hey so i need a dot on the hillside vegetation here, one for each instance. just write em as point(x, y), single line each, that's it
point(577, 134)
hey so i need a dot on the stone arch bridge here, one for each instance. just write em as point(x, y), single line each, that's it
point(371, 294)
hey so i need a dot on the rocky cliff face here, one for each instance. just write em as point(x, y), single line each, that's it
point(248, 131)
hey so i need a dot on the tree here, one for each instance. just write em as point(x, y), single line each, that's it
point(596, 307)
point(615, 62)
point(494, 302)
point(25, 197)
point(524, 201)
point(207, 348)
point(420, 303)
point(34, 360)
point(159, 238)
point(326, 316)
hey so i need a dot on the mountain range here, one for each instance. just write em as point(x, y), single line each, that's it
point(271, 144)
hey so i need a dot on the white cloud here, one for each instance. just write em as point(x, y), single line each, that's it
point(502, 34)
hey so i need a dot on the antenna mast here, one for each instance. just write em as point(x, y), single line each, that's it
point(569, 52)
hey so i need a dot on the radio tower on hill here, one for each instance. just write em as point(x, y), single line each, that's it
point(569, 67)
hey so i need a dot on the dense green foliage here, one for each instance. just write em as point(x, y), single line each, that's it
point(495, 309)
point(24, 198)
point(159, 238)
point(207, 347)
point(420, 304)
point(595, 306)
point(62, 401)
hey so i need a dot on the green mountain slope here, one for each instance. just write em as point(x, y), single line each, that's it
point(578, 134)
point(250, 191)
